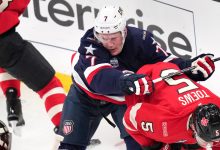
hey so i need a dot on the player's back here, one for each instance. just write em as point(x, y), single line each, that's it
point(177, 93)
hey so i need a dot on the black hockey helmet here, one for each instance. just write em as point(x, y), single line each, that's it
point(5, 137)
point(206, 120)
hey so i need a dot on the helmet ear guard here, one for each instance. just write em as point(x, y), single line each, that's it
point(206, 121)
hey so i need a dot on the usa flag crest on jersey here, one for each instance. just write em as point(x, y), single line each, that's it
point(68, 127)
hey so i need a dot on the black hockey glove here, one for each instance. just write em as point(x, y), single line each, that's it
point(139, 84)
point(156, 146)
point(204, 66)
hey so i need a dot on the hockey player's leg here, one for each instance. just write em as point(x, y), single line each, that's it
point(11, 89)
point(11, 48)
point(79, 122)
point(31, 68)
point(53, 96)
point(24, 62)
point(5, 137)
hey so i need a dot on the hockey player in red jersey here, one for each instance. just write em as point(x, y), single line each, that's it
point(178, 111)
point(23, 61)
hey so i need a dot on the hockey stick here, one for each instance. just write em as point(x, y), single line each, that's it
point(177, 73)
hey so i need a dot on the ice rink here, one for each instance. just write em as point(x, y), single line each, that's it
point(37, 134)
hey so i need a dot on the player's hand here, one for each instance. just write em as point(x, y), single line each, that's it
point(204, 65)
point(139, 84)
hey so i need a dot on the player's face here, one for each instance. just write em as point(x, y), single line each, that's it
point(112, 42)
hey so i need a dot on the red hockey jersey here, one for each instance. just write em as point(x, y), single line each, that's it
point(10, 10)
point(164, 115)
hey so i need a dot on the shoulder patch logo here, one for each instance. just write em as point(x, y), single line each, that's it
point(4, 4)
point(68, 127)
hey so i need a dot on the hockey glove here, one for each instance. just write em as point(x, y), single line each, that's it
point(139, 84)
point(204, 66)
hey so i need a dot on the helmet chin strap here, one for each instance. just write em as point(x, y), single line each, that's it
point(123, 34)
point(96, 36)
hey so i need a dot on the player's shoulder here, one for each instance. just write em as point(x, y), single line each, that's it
point(138, 33)
point(88, 36)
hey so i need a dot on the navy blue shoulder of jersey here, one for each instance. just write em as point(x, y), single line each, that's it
point(139, 49)
point(148, 51)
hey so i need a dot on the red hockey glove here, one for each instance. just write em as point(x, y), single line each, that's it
point(139, 84)
point(204, 65)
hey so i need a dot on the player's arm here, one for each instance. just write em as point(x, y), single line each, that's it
point(102, 78)
point(99, 76)
point(152, 52)
point(203, 63)
point(93, 69)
